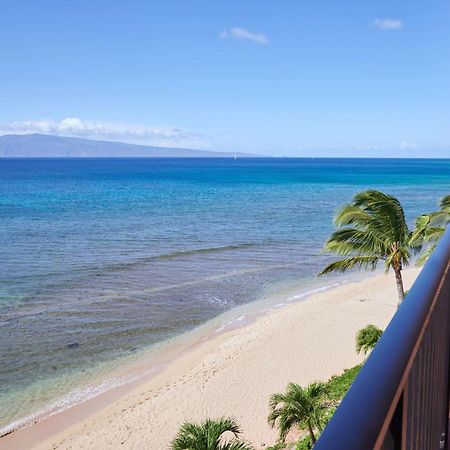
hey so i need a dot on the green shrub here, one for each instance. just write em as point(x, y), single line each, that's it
point(278, 446)
point(304, 443)
point(338, 385)
point(367, 338)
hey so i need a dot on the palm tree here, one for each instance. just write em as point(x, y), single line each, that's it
point(209, 435)
point(372, 228)
point(367, 338)
point(301, 407)
point(430, 228)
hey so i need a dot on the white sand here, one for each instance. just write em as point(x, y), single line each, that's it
point(235, 373)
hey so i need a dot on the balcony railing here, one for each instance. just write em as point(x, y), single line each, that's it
point(400, 399)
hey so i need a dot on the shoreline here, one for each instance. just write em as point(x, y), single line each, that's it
point(152, 360)
point(213, 354)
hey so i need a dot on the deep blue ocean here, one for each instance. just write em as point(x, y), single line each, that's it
point(102, 258)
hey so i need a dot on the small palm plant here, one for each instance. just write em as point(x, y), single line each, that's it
point(372, 228)
point(430, 228)
point(299, 407)
point(210, 435)
point(367, 338)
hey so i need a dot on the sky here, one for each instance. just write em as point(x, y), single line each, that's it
point(282, 78)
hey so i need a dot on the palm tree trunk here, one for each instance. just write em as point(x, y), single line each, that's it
point(311, 432)
point(400, 290)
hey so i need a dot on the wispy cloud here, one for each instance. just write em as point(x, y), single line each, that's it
point(75, 127)
point(388, 24)
point(392, 146)
point(243, 33)
point(406, 145)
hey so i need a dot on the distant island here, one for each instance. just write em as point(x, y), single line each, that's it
point(45, 146)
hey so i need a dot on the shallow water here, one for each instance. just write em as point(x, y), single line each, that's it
point(102, 258)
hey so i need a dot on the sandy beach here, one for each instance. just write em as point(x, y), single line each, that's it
point(231, 374)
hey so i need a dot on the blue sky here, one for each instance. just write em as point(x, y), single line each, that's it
point(317, 77)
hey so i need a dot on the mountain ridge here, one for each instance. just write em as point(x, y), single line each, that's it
point(37, 145)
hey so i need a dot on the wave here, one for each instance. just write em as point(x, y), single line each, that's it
point(231, 323)
point(314, 291)
point(128, 265)
point(178, 254)
point(73, 398)
point(132, 294)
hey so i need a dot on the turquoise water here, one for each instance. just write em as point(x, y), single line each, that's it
point(101, 258)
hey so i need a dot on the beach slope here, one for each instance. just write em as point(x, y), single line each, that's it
point(234, 373)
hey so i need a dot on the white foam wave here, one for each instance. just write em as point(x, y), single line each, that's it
point(229, 323)
point(314, 291)
point(74, 397)
point(220, 301)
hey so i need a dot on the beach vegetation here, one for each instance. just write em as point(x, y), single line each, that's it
point(305, 443)
point(367, 338)
point(430, 228)
point(221, 434)
point(277, 446)
point(338, 385)
point(371, 229)
point(298, 407)
point(318, 402)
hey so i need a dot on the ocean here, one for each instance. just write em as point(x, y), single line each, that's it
point(103, 259)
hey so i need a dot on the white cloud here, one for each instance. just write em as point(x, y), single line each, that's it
point(243, 33)
point(75, 127)
point(406, 145)
point(402, 145)
point(388, 24)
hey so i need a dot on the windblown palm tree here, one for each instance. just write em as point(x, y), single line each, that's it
point(367, 338)
point(209, 435)
point(430, 228)
point(372, 228)
point(299, 407)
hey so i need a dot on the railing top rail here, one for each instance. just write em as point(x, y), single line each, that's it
point(361, 420)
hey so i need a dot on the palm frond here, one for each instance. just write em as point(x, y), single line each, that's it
point(346, 241)
point(350, 214)
point(422, 259)
point(386, 213)
point(373, 228)
point(354, 262)
point(418, 236)
point(189, 437)
point(367, 338)
point(297, 407)
point(399, 256)
point(445, 203)
point(236, 445)
point(206, 435)
point(430, 228)
point(440, 218)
